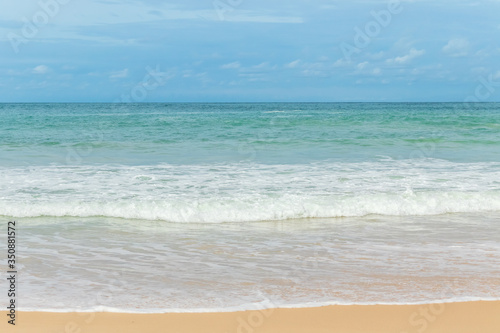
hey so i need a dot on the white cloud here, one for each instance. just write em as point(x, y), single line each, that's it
point(476, 71)
point(231, 65)
point(362, 65)
point(376, 71)
point(378, 55)
point(414, 53)
point(264, 66)
point(488, 52)
point(457, 47)
point(41, 69)
point(314, 73)
point(253, 76)
point(341, 63)
point(293, 64)
point(119, 74)
point(253, 17)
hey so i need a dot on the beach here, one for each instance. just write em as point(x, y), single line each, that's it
point(188, 217)
point(235, 166)
point(460, 317)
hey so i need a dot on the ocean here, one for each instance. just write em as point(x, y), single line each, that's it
point(171, 207)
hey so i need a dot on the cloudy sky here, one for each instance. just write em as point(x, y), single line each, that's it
point(249, 50)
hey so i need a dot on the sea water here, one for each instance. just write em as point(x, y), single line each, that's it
point(217, 207)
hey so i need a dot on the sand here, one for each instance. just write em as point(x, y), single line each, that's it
point(470, 317)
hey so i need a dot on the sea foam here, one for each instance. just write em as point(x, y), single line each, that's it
point(251, 192)
point(258, 208)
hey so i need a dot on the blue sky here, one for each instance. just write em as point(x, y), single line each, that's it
point(249, 50)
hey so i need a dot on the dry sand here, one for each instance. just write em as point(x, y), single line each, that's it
point(470, 317)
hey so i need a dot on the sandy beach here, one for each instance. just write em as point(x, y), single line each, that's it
point(460, 317)
point(238, 166)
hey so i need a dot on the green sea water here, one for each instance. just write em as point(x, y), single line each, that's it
point(241, 205)
point(136, 134)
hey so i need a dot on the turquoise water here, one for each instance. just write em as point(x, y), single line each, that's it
point(38, 134)
point(240, 205)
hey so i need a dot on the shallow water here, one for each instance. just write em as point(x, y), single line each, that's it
point(193, 207)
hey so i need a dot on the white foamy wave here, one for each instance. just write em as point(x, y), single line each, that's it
point(252, 307)
point(251, 192)
point(263, 208)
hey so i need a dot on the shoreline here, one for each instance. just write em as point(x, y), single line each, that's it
point(456, 317)
point(252, 307)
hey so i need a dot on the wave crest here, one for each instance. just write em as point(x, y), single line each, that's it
point(260, 208)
